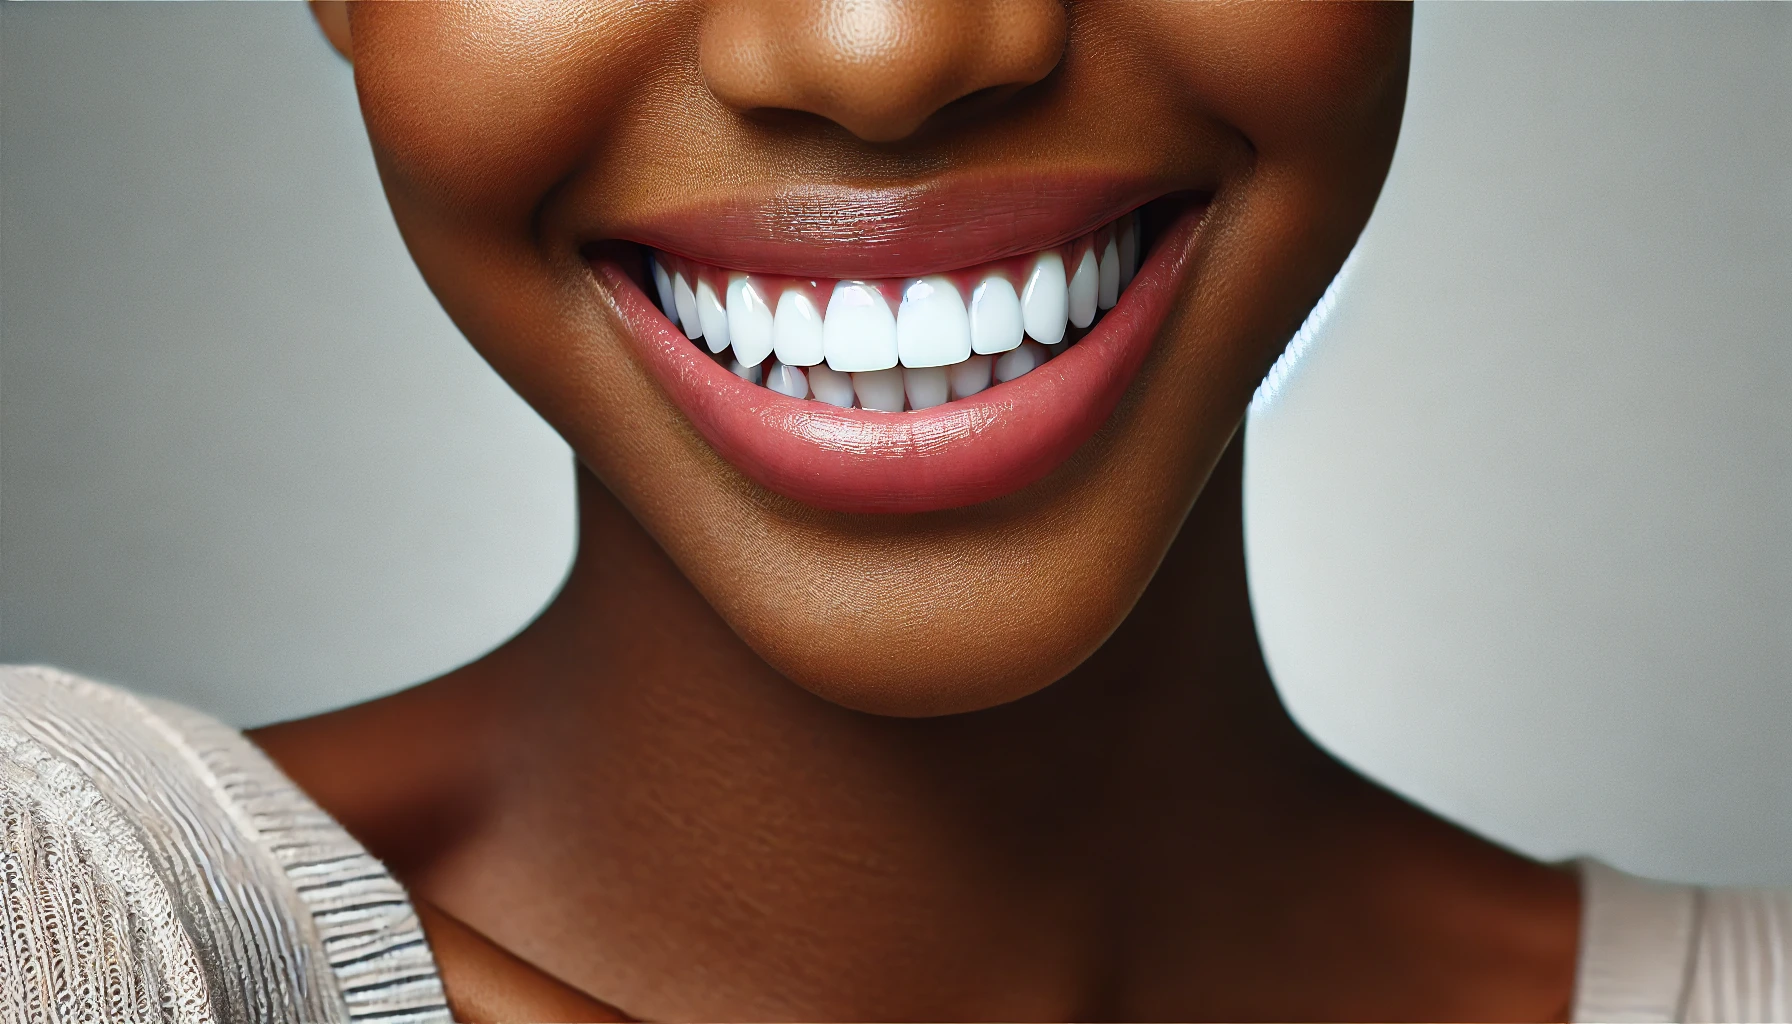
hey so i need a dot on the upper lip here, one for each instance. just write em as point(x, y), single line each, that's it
point(828, 231)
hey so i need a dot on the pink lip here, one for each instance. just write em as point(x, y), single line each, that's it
point(957, 454)
point(832, 232)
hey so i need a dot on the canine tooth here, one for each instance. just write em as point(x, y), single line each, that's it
point(749, 320)
point(796, 330)
point(932, 328)
point(927, 386)
point(662, 283)
point(830, 385)
point(970, 376)
point(859, 333)
point(1129, 248)
point(748, 373)
point(686, 304)
point(1045, 300)
point(1083, 288)
point(880, 390)
point(788, 381)
point(995, 317)
point(713, 316)
point(1109, 292)
point(1012, 364)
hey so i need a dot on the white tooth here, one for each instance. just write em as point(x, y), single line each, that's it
point(995, 317)
point(830, 385)
point(970, 376)
point(1083, 286)
point(796, 330)
point(880, 390)
point(686, 304)
point(859, 332)
point(927, 386)
point(1012, 364)
point(713, 317)
point(1109, 292)
point(749, 320)
point(788, 380)
point(932, 328)
point(1045, 300)
point(663, 284)
point(1129, 248)
point(750, 374)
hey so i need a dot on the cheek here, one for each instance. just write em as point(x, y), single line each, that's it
point(479, 109)
point(1288, 78)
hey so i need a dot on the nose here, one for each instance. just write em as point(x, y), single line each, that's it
point(878, 68)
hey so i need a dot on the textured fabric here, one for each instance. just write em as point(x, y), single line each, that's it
point(1650, 951)
point(1743, 965)
point(155, 866)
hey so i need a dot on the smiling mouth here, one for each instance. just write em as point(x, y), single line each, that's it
point(895, 344)
point(912, 391)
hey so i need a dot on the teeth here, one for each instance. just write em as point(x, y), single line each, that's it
point(875, 352)
point(788, 381)
point(932, 328)
point(796, 330)
point(859, 334)
point(749, 321)
point(1109, 292)
point(1010, 365)
point(972, 375)
point(830, 385)
point(750, 374)
point(880, 390)
point(927, 386)
point(686, 304)
point(1129, 248)
point(713, 317)
point(1045, 300)
point(995, 317)
point(1083, 286)
point(663, 284)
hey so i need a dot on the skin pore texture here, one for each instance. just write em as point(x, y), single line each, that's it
point(1018, 759)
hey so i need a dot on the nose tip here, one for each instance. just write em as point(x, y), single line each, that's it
point(878, 68)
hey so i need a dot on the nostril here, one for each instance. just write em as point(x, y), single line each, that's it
point(973, 103)
point(878, 68)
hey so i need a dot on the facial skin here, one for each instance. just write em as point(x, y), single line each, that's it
point(629, 808)
point(515, 138)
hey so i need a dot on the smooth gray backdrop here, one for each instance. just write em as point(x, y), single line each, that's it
point(1520, 506)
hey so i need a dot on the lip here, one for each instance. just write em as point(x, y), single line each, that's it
point(961, 453)
point(823, 231)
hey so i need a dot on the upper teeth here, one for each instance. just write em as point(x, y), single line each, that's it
point(940, 329)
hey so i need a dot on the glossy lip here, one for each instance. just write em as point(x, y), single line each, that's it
point(835, 232)
point(967, 451)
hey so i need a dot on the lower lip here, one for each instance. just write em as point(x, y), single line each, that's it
point(966, 451)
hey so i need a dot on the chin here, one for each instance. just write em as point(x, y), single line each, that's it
point(929, 639)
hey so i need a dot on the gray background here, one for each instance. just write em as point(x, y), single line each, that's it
point(1520, 511)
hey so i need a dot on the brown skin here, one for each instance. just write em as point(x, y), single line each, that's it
point(1018, 761)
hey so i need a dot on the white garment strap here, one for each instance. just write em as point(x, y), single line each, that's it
point(1637, 942)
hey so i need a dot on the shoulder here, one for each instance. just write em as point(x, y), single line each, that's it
point(1664, 952)
point(1742, 968)
point(159, 867)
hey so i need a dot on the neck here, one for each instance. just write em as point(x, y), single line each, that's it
point(628, 798)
